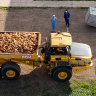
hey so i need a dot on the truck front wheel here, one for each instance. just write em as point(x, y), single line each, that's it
point(10, 71)
point(62, 74)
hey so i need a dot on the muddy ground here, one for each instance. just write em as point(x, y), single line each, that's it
point(33, 83)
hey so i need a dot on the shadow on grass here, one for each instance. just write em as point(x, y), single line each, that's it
point(36, 83)
point(66, 89)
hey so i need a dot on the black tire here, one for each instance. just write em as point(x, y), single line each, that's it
point(0, 74)
point(65, 70)
point(13, 67)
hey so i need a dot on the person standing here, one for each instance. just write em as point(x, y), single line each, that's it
point(53, 23)
point(67, 16)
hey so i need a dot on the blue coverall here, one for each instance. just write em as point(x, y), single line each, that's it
point(67, 16)
point(53, 23)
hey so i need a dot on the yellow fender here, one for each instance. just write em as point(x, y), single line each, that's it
point(80, 69)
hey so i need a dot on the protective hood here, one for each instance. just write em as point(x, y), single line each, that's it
point(80, 49)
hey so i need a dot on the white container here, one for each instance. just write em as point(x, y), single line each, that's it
point(90, 17)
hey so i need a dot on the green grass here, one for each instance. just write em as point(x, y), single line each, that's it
point(43, 8)
point(5, 8)
point(64, 0)
point(76, 88)
point(8, 8)
point(84, 88)
point(84, 8)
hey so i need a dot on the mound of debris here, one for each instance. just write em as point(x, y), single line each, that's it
point(18, 42)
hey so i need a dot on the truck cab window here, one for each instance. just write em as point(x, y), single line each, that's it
point(59, 51)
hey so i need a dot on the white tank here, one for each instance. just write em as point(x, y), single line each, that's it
point(90, 17)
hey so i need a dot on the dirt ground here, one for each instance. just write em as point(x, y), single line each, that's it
point(33, 83)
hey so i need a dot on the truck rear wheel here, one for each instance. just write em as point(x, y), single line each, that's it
point(10, 71)
point(62, 74)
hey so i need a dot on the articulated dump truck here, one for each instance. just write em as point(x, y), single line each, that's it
point(59, 54)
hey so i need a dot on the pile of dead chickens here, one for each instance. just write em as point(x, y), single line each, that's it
point(18, 42)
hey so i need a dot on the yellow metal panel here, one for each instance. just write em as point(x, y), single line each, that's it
point(80, 56)
point(63, 58)
point(62, 39)
point(42, 58)
point(80, 69)
point(39, 40)
point(72, 58)
point(53, 59)
point(0, 65)
point(84, 60)
point(59, 56)
point(27, 62)
point(17, 58)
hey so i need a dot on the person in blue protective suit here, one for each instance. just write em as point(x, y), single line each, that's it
point(67, 16)
point(53, 23)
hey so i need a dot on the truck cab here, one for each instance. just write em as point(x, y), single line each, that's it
point(59, 55)
point(64, 56)
point(58, 47)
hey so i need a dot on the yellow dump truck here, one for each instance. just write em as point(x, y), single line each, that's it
point(59, 54)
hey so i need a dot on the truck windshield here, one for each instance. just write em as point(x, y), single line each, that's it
point(58, 51)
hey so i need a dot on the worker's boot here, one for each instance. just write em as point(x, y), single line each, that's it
point(67, 29)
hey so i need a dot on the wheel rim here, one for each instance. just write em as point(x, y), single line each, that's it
point(62, 75)
point(10, 73)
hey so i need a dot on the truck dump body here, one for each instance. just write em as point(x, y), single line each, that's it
point(18, 42)
point(19, 46)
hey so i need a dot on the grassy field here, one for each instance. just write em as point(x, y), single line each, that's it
point(75, 88)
